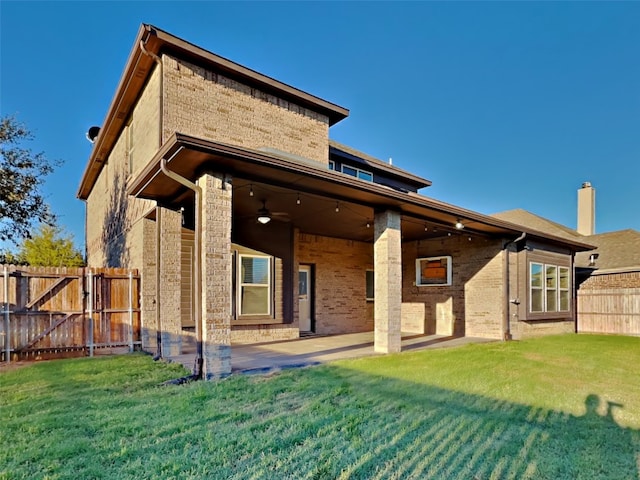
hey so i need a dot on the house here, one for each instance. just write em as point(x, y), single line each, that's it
point(608, 278)
point(248, 224)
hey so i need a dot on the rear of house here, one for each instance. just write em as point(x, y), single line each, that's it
point(248, 224)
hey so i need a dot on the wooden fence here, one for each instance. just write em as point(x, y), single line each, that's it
point(61, 312)
point(610, 310)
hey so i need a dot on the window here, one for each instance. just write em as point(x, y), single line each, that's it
point(370, 285)
point(254, 285)
point(433, 271)
point(549, 288)
point(332, 165)
point(356, 172)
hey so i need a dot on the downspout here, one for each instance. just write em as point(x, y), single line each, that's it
point(197, 254)
point(506, 318)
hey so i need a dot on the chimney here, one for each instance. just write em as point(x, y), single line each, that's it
point(586, 209)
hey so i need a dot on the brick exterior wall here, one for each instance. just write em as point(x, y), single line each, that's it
point(209, 105)
point(611, 280)
point(217, 275)
point(113, 236)
point(242, 334)
point(340, 282)
point(473, 304)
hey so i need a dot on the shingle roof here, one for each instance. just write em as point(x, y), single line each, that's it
point(531, 220)
point(619, 250)
point(616, 250)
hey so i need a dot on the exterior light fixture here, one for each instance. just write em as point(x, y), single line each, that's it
point(298, 202)
point(337, 207)
point(426, 229)
point(264, 216)
point(251, 189)
point(368, 225)
point(459, 224)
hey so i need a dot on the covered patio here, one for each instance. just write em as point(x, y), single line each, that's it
point(268, 357)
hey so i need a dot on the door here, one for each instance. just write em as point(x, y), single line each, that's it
point(304, 297)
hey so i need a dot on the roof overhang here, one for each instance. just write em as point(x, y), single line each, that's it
point(140, 65)
point(190, 157)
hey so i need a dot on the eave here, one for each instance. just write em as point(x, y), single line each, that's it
point(191, 156)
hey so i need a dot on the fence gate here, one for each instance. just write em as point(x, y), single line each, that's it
point(64, 312)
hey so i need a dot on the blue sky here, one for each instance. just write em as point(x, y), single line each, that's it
point(501, 105)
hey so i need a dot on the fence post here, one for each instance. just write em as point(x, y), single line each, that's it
point(90, 290)
point(130, 311)
point(7, 337)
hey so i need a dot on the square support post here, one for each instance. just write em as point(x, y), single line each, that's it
point(387, 257)
point(216, 275)
point(169, 282)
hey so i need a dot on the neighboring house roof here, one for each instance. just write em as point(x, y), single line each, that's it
point(619, 250)
point(137, 70)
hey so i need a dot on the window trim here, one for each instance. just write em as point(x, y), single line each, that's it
point(332, 165)
point(241, 284)
point(559, 267)
point(358, 172)
point(449, 271)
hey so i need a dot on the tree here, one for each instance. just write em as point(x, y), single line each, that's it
point(50, 247)
point(22, 174)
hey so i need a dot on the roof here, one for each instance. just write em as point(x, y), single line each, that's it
point(619, 250)
point(378, 164)
point(137, 70)
point(524, 217)
point(188, 156)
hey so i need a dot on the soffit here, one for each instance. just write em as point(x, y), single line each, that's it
point(190, 157)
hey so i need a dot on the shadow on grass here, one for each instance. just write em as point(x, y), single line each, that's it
point(322, 422)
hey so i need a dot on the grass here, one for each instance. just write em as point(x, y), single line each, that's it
point(532, 409)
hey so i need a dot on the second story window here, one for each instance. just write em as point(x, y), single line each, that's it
point(356, 172)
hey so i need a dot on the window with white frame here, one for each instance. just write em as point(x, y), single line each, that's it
point(254, 285)
point(370, 289)
point(549, 288)
point(433, 271)
point(332, 165)
point(356, 172)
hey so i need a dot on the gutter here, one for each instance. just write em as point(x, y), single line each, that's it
point(506, 318)
point(197, 254)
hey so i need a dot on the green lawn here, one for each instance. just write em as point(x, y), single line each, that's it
point(533, 409)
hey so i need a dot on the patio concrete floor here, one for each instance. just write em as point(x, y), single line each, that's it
point(305, 351)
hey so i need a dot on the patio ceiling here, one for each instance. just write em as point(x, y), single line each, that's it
point(279, 182)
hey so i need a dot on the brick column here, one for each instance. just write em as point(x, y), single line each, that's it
point(216, 275)
point(387, 258)
point(170, 281)
point(148, 324)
